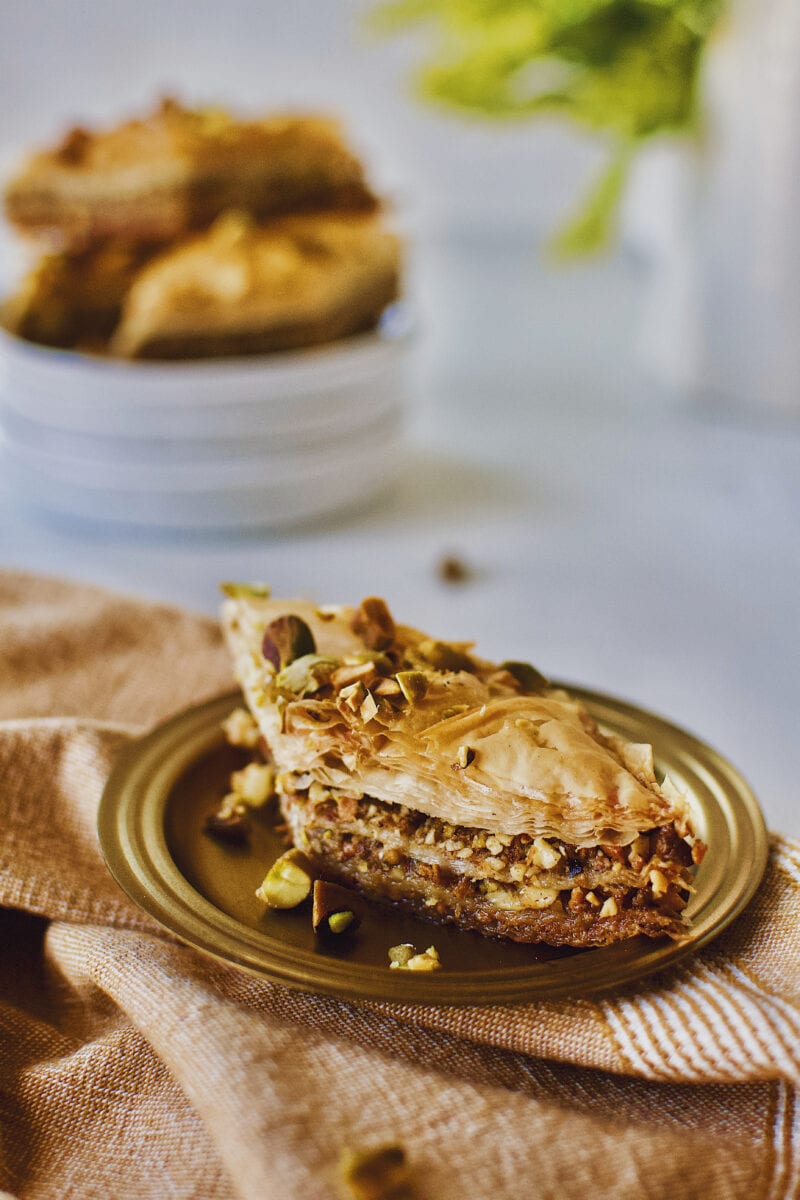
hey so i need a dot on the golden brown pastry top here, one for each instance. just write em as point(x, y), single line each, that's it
point(296, 271)
point(184, 166)
point(470, 742)
point(172, 134)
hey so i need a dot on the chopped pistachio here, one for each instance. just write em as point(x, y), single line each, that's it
point(444, 657)
point(246, 591)
point(288, 881)
point(405, 958)
point(306, 675)
point(374, 624)
point(336, 909)
point(339, 922)
point(286, 639)
point(399, 955)
point(529, 679)
point(413, 685)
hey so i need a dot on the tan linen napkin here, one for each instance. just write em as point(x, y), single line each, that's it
point(131, 1066)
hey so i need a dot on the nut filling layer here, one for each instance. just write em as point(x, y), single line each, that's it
point(522, 888)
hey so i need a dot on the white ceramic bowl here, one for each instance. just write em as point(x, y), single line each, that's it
point(215, 444)
point(239, 493)
point(249, 469)
point(308, 394)
point(153, 449)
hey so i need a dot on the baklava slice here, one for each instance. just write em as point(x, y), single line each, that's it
point(245, 288)
point(75, 301)
point(464, 791)
point(156, 178)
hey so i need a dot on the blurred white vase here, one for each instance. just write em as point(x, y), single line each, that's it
point(722, 324)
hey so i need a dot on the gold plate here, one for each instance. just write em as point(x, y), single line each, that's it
point(151, 831)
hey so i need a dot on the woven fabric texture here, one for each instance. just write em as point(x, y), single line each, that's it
point(133, 1067)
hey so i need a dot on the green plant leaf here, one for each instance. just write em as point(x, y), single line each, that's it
point(626, 69)
point(592, 229)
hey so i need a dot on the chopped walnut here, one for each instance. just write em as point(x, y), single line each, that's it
point(698, 852)
point(659, 883)
point(229, 822)
point(543, 855)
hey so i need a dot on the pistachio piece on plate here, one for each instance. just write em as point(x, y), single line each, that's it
point(227, 826)
point(336, 909)
point(400, 955)
point(288, 881)
point(405, 958)
point(285, 639)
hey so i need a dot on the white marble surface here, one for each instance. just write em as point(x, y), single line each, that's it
point(619, 540)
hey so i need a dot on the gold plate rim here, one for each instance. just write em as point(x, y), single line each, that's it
point(131, 829)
